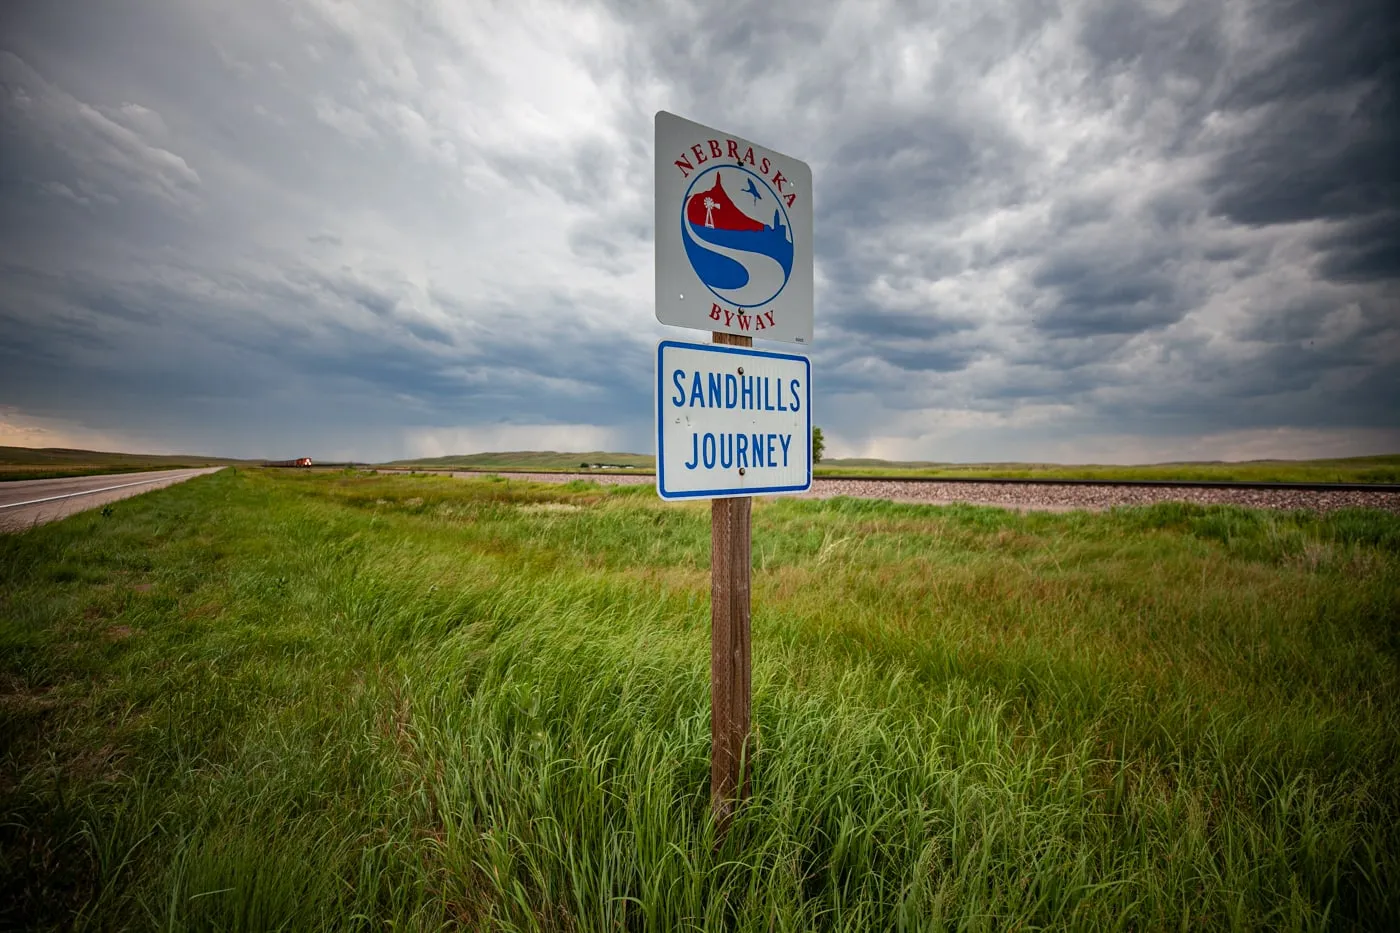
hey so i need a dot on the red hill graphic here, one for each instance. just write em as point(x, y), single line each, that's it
point(714, 209)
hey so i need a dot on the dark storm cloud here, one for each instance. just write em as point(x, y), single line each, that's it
point(344, 377)
point(1365, 250)
point(1091, 298)
point(900, 324)
point(1157, 47)
point(921, 165)
point(1326, 144)
point(928, 359)
point(1316, 162)
point(1327, 47)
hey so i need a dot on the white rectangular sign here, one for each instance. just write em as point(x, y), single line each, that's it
point(731, 421)
point(733, 234)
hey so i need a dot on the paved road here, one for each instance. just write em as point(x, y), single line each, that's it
point(29, 502)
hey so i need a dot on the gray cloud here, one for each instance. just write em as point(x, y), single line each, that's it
point(1090, 297)
point(1323, 110)
point(383, 230)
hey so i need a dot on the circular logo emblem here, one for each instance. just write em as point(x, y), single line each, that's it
point(736, 235)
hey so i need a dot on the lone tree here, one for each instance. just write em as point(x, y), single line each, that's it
point(818, 445)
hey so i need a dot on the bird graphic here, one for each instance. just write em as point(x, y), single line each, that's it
point(753, 191)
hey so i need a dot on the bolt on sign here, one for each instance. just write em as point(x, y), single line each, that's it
point(733, 234)
point(731, 421)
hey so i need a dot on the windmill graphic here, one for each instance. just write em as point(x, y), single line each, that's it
point(710, 205)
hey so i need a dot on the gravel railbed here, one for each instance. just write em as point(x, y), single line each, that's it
point(1041, 497)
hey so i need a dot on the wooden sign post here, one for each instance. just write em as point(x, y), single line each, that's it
point(734, 257)
point(730, 645)
point(732, 422)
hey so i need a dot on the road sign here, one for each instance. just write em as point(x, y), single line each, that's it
point(733, 234)
point(731, 421)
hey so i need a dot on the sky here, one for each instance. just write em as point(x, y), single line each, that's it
point(1073, 232)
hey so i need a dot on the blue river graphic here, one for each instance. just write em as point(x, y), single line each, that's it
point(741, 260)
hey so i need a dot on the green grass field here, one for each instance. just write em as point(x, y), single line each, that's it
point(267, 700)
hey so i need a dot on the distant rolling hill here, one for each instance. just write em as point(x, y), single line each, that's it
point(34, 463)
point(529, 460)
point(43, 462)
point(1378, 469)
point(887, 464)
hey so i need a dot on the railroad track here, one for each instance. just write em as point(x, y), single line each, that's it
point(1047, 494)
point(1128, 483)
point(993, 481)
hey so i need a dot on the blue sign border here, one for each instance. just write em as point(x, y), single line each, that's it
point(660, 443)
